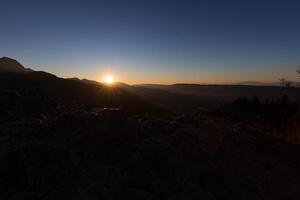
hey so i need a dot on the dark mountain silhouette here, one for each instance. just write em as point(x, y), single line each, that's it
point(136, 98)
point(11, 65)
point(13, 77)
point(85, 81)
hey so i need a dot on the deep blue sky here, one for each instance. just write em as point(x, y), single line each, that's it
point(155, 41)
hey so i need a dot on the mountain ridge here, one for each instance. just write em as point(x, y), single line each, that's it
point(84, 92)
point(9, 65)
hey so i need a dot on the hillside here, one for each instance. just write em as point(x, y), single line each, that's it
point(51, 153)
point(70, 91)
point(11, 65)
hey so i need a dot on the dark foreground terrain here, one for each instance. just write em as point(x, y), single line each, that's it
point(73, 139)
point(53, 151)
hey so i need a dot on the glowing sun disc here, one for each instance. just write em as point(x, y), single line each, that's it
point(109, 80)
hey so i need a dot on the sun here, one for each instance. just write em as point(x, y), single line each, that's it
point(109, 79)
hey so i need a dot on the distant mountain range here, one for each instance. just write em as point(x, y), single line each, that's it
point(220, 94)
point(249, 83)
point(142, 98)
point(265, 84)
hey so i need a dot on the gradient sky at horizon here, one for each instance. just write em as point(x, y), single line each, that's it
point(155, 41)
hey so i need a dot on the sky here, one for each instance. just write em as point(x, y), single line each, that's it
point(151, 41)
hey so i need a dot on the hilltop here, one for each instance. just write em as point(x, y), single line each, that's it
point(13, 66)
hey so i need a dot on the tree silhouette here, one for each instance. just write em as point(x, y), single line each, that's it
point(298, 71)
point(285, 82)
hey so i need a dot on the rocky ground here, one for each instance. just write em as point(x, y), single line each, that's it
point(49, 151)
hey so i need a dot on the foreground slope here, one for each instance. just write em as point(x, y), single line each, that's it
point(77, 154)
